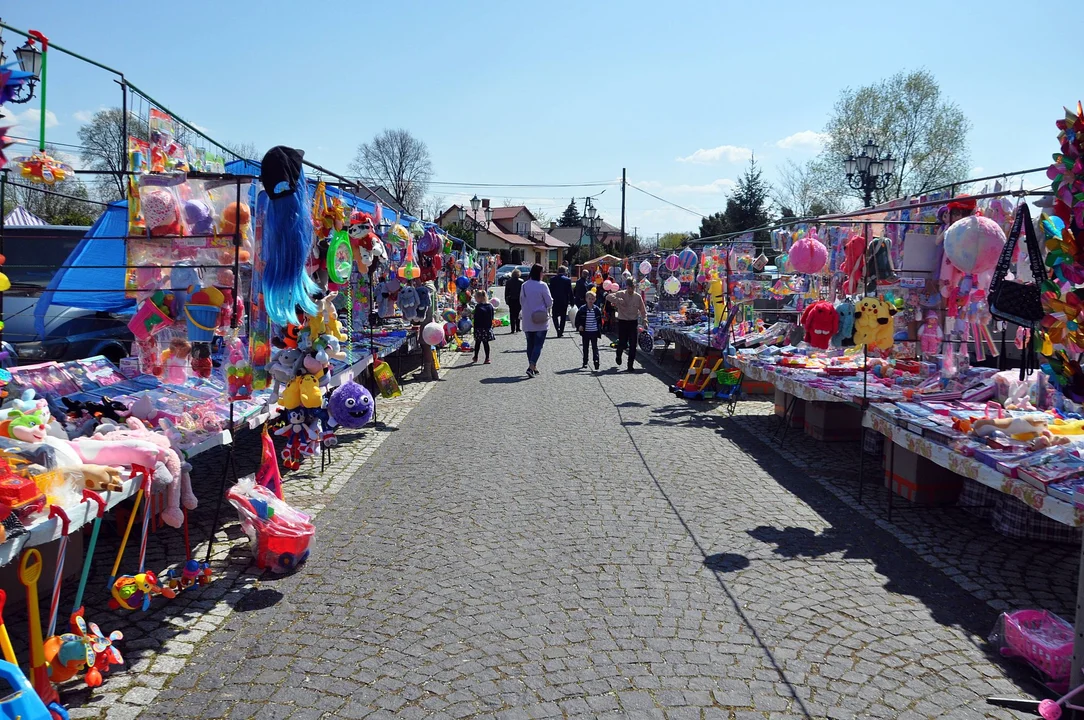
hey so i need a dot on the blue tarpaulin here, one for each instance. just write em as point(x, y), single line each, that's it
point(102, 289)
point(93, 287)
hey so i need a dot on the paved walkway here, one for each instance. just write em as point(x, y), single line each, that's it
point(581, 545)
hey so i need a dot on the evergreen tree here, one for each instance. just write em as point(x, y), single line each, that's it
point(747, 206)
point(571, 216)
point(714, 224)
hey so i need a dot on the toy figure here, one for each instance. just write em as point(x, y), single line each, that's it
point(931, 335)
point(873, 323)
point(845, 333)
point(134, 592)
point(821, 322)
point(175, 361)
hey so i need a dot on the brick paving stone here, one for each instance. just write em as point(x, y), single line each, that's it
point(588, 545)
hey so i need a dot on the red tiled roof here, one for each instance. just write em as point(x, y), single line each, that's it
point(509, 213)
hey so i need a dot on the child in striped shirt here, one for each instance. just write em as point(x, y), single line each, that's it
point(589, 325)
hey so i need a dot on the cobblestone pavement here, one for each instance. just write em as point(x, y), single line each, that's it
point(587, 546)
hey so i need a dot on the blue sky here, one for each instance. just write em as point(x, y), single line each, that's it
point(563, 92)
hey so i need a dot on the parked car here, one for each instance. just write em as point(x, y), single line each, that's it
point(34, 254)
point(505, 271)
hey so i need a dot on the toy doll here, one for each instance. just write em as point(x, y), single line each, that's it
point(175, 361)
point(931, 335)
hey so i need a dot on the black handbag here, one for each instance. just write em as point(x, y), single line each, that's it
point(1010, 300)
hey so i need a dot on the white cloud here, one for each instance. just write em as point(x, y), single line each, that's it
point(647, 184)
point(806, 139)
point(28, 121)
point(729, 153)
point(206, 131)
point(722, 185)
point(83, 116)
point(976, 171)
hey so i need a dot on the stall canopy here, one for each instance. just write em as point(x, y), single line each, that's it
point(22, 217)
point(603, 260)
point(92, 277)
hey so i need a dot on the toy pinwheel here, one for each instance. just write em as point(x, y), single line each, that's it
point(1063, 326)
point(1067, 374)
point(11, 79)
point(1067, 172)
point(4, 143)
point(1063, 256)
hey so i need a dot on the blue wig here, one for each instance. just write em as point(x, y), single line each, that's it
point(287, 241)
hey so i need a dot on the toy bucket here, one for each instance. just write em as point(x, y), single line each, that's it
point(202, 320)
point(148, 320)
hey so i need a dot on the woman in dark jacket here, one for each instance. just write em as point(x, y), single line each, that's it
point(512, 289)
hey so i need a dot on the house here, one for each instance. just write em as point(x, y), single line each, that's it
point(607, 235)
point(512, 231)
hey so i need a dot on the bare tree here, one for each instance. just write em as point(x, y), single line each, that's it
point(543, 217)
point(246, 150)
point(398, 161)
point(433, 206)
point(805, 191)
point(908, 117)
point(104, 145)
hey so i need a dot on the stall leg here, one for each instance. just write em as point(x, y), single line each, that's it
point(862, 464)
point(782, 435)
point(891, 478)
point(1076, 677)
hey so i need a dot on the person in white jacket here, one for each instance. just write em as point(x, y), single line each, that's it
point(535, 303)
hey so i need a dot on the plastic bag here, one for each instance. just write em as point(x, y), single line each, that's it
point(280, 535)
point(385, 380)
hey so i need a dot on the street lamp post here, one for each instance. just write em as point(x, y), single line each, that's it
point(868, 172)
point(29, 58)
point(594, 221)
point(475, 203)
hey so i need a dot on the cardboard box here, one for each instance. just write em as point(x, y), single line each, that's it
point(833, 422)
point(756, 387)
point(782, 401)
point(919, 480)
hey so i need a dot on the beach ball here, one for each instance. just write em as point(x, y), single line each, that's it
point(672, 262)
point(465, 325)
point(470, 272)
point(495, 303)
point(973, 244)
point(645, 268)
point(462, 282)
point(672, 285)
point(808, 255)
point(688, 258)
point(433, 334)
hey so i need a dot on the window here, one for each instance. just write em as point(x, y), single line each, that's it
point(522, 228)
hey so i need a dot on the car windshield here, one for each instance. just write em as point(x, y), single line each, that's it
point(506, 268)
point(525, 269)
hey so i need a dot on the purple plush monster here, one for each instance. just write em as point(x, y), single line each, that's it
point(351, 405)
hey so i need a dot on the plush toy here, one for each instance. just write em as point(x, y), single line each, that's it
point(351, 405)
point(821, 322)
point(854, 264)
point(408, 302)
point(931, 336)
point(809, 255)
point(1030, 428)
point(873, 323)
point(199, 216)
point(843, 336)
point(160, 211)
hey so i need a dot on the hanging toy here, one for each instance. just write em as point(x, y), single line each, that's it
point(409, 270)
point(821, 323)
point(351, 405)
point(873, 323)
point(340, 258)
point(842, 338)
point(931, 336)
point(809, 255)
point(287, 236)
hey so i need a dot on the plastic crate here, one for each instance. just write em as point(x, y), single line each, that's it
point(1043, 639)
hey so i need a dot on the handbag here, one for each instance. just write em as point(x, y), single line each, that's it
point(540, 316)
point(1013, 301)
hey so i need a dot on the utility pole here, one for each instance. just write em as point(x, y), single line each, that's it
point(622, 208)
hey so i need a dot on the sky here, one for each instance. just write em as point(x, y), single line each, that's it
point(559, 93)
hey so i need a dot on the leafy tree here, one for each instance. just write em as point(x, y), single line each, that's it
point(104, 145)
point(571, 216)
point(398, 161)
point(906, 116)
point(460, 231)
point(714, 224)
point(672, 240)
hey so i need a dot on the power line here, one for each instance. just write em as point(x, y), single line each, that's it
point(679, 207)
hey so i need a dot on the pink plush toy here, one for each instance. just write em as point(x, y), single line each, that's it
point(854, 264)
point(931, 335)
point(809, 255)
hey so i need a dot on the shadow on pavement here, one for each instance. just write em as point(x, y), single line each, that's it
point(726, 562)
point(504, 380)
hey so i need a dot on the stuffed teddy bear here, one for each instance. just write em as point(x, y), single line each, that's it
point(843, 336)
point(873, 323)
point(821, 322)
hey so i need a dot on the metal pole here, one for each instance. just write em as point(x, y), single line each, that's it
point(1076, 677)
point(3, 201)
point(123, 126)
point(622, 209)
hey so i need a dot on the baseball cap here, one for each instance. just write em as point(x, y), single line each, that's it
point(280, 170)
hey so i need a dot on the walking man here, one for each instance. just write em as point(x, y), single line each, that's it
point(631, 313)
point(579, 293)
point(561, 292)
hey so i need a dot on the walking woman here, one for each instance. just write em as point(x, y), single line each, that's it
point(535, 301)
point(511, 298)
point(631, 315)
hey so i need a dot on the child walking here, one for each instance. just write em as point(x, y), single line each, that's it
point(483, 324)
point(589, 325)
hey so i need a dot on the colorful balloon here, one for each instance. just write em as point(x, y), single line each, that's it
point(688, 258)
point(973, 244)
point(672, 262)
point(672, 285)
point(645, 268)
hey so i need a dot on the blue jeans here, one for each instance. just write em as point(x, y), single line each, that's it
point(535, 340)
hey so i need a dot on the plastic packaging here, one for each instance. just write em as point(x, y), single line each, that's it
point(1040, 637)
point(279, 534)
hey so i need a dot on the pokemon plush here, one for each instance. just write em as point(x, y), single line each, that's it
point(821, 322)
point(873, 323)
point(843, 336)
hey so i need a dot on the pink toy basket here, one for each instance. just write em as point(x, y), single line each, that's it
point(1042, 638)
